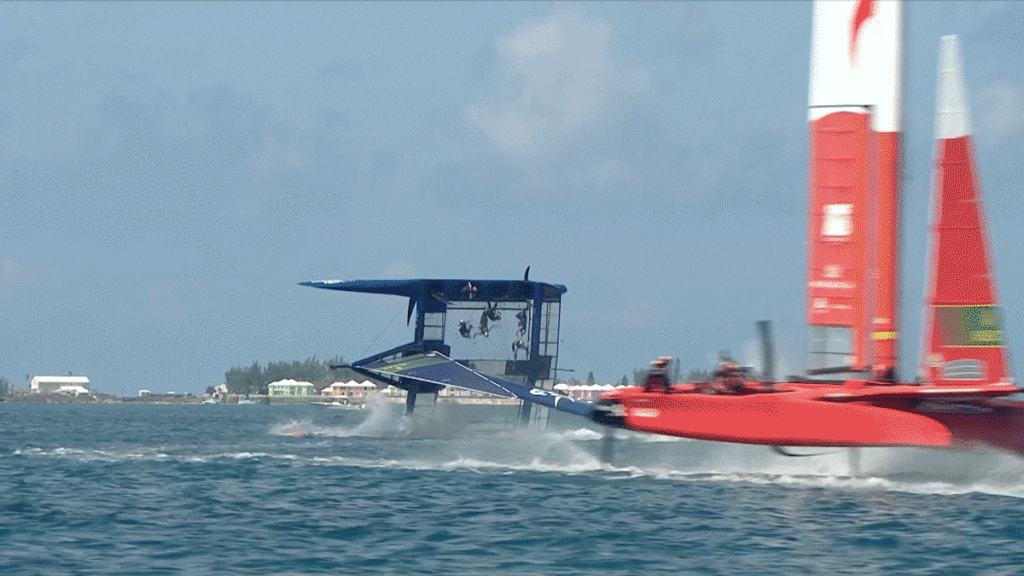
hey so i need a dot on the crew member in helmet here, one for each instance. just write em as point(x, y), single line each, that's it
point(728, 378)
point(883, 373)
point(657, 378)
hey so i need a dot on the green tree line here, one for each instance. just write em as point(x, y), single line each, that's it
point(253, 379)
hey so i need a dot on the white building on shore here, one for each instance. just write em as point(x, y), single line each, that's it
point(351, 390)
point(291, 388)
point(73, 385)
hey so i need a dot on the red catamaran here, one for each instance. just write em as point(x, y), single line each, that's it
point(853, 277)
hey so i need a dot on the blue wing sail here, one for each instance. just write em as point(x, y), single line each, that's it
point(436, 368)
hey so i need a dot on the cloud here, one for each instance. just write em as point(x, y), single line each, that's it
point(17, 51)
point(569, 120)
point(400, 269)
point(341, 69)
point(1003, 30)
point(13, 272)
point(1000, 112)
point(558, 81)
point(164, 304)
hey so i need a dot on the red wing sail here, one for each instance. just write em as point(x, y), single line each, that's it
point(854, 115)
point(837, 227)
point(963, 329)
point(884, 319)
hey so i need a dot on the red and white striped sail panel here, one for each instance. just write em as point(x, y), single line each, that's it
point(853, 212)
point(963, 326)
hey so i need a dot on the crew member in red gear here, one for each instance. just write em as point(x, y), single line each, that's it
point(728, 378)
point(657, 378)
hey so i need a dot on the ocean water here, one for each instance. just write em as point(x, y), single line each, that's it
point(254, 489)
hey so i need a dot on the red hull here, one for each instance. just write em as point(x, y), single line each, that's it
point(802, 414)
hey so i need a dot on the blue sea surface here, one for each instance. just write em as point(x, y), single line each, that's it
point(256, 489)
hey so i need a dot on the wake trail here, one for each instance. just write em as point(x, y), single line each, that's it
point(574, 451)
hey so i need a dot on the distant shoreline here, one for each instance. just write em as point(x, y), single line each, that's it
point(233, 399)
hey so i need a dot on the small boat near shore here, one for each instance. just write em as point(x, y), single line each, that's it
point(340, 405)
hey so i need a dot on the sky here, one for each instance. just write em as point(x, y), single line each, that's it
point(170, 171)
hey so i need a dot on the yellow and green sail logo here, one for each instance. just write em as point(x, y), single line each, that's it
point(976, 326)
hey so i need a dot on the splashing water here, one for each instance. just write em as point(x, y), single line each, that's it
point(383, 420)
